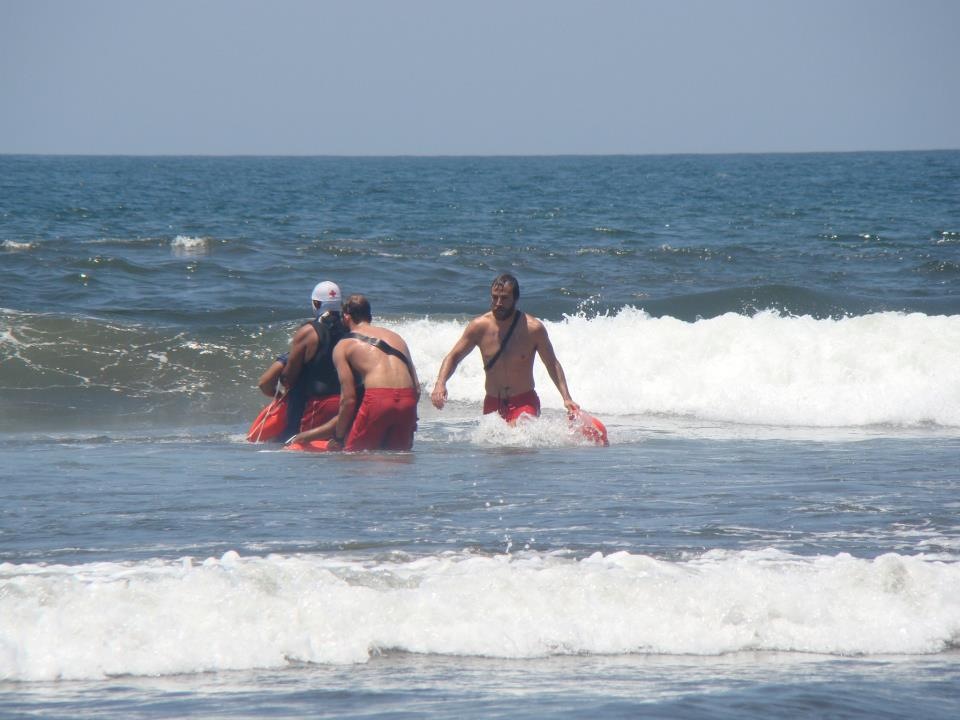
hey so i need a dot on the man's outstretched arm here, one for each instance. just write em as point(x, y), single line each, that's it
point(463, 347)
point(554, 369)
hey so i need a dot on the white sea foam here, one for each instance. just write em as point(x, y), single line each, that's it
point(768, 369)
point(15, 246)
point(185, 245)
point(553, 431)
point(159, 617)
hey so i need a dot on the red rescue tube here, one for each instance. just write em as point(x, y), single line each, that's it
point(590, 427)
point(309, 446)
point(270, 422)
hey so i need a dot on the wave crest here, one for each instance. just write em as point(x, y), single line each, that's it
point(160, 617)
point(766, 369)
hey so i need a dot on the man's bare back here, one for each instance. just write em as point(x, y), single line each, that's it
point(386, 418)
point(376, 367)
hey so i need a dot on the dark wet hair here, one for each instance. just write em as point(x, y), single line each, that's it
point(358, 307)
point(507, 279)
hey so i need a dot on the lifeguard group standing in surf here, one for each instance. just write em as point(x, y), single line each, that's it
point(351, 385)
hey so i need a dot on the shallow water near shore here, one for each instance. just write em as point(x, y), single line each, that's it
point(677, 687)
point(770, 340)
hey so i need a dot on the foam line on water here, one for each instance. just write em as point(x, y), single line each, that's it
point(163, 617)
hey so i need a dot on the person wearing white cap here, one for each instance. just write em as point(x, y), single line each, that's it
point(325, 298)
point(307, 371)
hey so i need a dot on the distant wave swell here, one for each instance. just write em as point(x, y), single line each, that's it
point(794, 300)
point(767, 368)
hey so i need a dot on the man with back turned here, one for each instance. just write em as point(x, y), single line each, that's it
point(306, 372)
point(508, 339)
point(379, 359)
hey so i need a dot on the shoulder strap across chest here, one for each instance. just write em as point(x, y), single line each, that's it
point(506, 338)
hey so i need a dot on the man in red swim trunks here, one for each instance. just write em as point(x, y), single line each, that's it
point(387, 416)
point(508, 340)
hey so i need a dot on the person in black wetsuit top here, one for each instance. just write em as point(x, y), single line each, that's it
point(310, 379)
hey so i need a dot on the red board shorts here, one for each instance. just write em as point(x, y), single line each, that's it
point(318, 410)
point(513, 407)
point(386, 420)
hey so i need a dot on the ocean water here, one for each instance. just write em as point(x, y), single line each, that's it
point(771, 340)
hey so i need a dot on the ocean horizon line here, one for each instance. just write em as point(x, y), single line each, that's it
point(374, 156)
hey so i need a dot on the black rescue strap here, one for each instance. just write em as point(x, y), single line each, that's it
point(383, 346)
point(492, 361)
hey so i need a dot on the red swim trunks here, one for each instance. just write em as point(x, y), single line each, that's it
point(386, 420)
point(513, 407)
point(318, 410)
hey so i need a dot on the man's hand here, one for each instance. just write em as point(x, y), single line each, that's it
point(572, 407)
point(439, 395)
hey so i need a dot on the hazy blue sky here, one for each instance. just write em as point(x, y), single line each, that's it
point(429, 77)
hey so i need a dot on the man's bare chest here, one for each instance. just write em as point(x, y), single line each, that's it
point(518, 344)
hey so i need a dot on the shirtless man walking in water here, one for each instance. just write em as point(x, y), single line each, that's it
point(508, 340)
